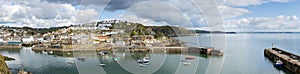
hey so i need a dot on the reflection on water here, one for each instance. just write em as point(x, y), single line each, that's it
point(117, 62)
point(243, 55)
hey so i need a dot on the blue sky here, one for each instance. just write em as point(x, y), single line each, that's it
point(273, 9)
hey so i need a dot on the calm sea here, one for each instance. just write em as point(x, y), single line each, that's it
point(243, 55)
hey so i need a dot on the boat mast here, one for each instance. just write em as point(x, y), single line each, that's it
point(22, 69)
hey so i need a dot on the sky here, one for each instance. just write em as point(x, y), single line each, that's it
point(237, 15)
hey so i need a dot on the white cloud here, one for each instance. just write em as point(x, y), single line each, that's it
point(36, 13)
point(294, 17)
point(251, 2)
point(279, 23)
point(136, 19)
point(243, 2)
point(159, 12)
point(43, 14)
point(231, 12)
point(87, 15)
point(280, 0)
point(177, 12)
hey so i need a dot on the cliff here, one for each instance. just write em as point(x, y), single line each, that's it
point(3, 67)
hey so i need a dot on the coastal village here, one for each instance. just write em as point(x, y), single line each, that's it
point(90, 33)
point(101, 36)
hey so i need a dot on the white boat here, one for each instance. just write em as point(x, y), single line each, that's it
point(189, 57)
point(22, 71)
point(50, 52)
point(186, 64)
point(144, 60)
point(143, 65)
point(70, 62)
point(115, 58)
point(278, 63)
point(103, 52)
point(101, 64)
point(44, 52)
point(146, 63)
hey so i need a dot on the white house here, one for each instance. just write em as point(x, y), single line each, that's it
point(27, 39)
point(87, 26)
point(103, 26)
point(120, 43)
point(1, 40)
point(40, 39)
point(110, 21)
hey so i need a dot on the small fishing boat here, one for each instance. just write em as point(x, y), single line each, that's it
point(44, 52)
point(102, 64)
point(103, 52)
point(144, 60)
point(189, 57)
point(165, 51)
point(115, 58)
point(278, 64)
point(70, 62)
point(22, 71)
point(81, 58)
point(50, 52)
point(186, 64)
point(143, 65)
point(146, 63)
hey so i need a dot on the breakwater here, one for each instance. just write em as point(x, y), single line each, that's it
point(67, 48)
point(201, 50)
point(290, 60)
point(10, 47)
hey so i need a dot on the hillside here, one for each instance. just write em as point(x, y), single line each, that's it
point(157, 31)
point(171, 31)
point(205, 31)
point(33, 31)
point(129, 27)
point(3, 67)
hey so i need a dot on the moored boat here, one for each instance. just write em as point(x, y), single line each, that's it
point(50, 52)
point(70, 62)
point(186, 64)
point(81, 58)
point(102, 64)
point(103, 52)
point(22, 71)
point(278, 64)
point(144, 60)
point(189, 57)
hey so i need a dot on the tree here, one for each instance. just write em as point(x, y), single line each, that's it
point(159, 35)
point(133, 33)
